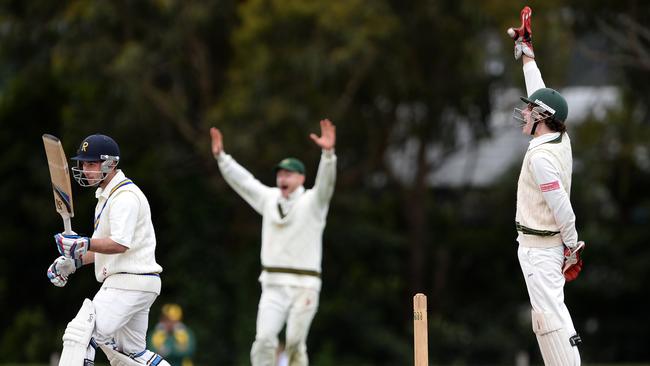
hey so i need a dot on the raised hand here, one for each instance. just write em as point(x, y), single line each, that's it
point(523, 36)
point(327, 139)
point(217, 141)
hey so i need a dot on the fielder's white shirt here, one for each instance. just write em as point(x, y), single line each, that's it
point(125, 217)
point(294, 240)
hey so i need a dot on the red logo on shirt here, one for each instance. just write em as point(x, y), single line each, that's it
point(546, 187)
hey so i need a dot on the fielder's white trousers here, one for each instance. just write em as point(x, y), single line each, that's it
point(122, 317)
point(279, 304)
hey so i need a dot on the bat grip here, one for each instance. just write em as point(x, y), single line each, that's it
point(67, 226)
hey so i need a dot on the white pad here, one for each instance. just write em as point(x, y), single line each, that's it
point(77, 336)
point(553, 340)
point(118, 358)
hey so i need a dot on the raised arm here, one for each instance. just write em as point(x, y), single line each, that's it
point(523, 38)
point(326, 175)
point(240, 180)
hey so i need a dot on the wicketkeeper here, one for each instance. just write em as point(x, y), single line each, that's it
point(293, 220)
point(549, 250)
point(123, 248)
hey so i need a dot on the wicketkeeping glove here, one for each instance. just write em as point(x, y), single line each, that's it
point(72, 246)
point(573, 261)
point(61, 269)
point(523, 36)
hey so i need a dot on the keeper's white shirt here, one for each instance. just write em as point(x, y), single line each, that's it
point(294, 241)
point(125, 217)
point(552, 178)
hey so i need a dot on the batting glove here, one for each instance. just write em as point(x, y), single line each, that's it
point(61, 269)
point(523, 36)
point(573, 261)
point(72, 246)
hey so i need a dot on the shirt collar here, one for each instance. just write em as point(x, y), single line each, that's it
point(295, 194)
point(543, 139)
point(105, 192)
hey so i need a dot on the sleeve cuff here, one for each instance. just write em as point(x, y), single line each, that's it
point(532, 65)
point(329, 153)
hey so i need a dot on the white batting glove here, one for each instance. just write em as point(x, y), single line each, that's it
point(72, 246)
point(61, 269)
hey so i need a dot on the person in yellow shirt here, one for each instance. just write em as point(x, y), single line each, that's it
point(171, 338)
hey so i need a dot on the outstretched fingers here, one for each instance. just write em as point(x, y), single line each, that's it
point(327, 140)
point(217, 141)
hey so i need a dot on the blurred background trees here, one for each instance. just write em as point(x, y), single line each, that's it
point(408, 85)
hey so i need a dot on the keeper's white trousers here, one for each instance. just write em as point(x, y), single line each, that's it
point(542, 269)
point(295, 306)
point(122, 316)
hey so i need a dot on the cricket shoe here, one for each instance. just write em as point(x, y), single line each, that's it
point(523, 36)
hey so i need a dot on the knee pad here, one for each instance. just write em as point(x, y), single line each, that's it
point(556, 346)
point(146, 357)
point(77, 336)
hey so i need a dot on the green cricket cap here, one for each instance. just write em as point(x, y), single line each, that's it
point(551, 100)
point(292, 165)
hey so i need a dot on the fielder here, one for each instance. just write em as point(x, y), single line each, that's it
point(293, 220)
point(549, 250)
point(123, 249)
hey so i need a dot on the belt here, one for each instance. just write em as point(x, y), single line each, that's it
point(304, 272)
point(141, 274)
point(529, 231)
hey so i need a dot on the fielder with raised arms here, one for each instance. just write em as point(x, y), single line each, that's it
point(293, 220)
point(549, 250)
point(123, 248)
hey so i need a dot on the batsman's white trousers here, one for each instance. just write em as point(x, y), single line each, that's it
point(122, 316)
point(279, 304)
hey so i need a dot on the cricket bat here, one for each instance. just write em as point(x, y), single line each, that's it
point(60, 177)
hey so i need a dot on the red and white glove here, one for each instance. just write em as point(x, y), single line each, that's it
point(523, 36)
point(61, 269)
point(573, 261)
point(72, 246)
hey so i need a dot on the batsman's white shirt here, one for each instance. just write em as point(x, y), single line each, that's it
point(125, 217)
point(292, 238)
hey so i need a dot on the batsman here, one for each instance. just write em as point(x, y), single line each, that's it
point(549, 251)
point(122, 248)
point(293, 220)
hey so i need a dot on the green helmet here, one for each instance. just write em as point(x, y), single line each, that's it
point(551, 101)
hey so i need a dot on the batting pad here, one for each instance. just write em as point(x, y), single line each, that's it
point(553, 340)
point(76, 337)
point(117, 358)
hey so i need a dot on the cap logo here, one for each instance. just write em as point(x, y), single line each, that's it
point(84, 146)
point(543, 105)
